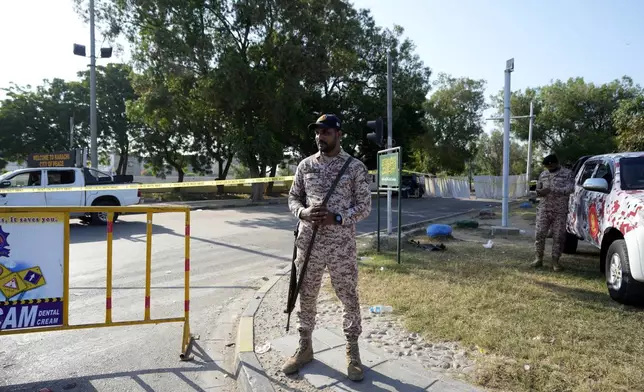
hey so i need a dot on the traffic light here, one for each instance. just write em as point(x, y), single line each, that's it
point(377, 136)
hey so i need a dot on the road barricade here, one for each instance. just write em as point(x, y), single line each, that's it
point(34, 283)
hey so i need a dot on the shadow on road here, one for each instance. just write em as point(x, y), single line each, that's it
point(373, 381)
point(192, 287)
point(241, 248)
point(278, 222)
point(202, 363)
point(131, 231)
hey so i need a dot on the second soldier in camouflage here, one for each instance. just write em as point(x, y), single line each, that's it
point(554, 187)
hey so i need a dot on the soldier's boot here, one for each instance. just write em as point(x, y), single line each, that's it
point(538, 262)
point(354, 364)
point(555, 265)
point(302, 356)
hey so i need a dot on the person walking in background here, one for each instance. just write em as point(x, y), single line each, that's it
point(554, 187)
point(335, 243)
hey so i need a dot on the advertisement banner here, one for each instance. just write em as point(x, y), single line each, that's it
point(389, 169)
point(31, 270)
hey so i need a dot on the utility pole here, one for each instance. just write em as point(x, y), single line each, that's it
point(389, 135)
point(509, 67)
point(92, 88)
point(529, 168)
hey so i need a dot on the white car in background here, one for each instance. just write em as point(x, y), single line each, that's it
point(66, 177)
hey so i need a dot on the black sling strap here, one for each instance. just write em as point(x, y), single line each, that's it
point(295, 284)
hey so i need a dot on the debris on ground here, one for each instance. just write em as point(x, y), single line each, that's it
point(467, 224)
point(487, 214)
point(264, 348)
point(428, 247)
point(489, 244)
point(379, 309)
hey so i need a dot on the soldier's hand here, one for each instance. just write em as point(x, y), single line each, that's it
point(314, 213)
point(543, 192)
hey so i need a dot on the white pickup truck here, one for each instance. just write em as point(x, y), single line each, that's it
point(65, 177)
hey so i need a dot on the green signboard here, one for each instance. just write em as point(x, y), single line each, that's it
point(388, 164)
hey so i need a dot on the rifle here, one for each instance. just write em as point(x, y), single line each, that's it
point(295, 283)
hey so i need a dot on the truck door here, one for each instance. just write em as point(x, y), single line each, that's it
point(63, 178)
point(598, 202)
point(24, 179)
point(579, 201)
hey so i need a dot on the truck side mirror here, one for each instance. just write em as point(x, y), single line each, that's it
point(596, 185)
point(5, 184)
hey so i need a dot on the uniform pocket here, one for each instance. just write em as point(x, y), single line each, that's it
point(313, 185)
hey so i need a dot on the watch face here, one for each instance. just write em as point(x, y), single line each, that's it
point(338, 218)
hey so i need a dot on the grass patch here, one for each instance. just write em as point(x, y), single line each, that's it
point(529, 330)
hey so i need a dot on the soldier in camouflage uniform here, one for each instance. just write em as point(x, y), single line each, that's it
point(554, 187)
point(335, 243)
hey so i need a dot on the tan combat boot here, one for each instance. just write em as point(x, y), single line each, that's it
point(555, 265)
point(354, 369)
point(302, 356)
point(538, 262)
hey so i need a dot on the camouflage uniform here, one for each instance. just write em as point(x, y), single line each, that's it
point(552, 213)
point(334, 247)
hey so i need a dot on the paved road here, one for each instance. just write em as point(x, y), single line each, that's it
point(231, 251)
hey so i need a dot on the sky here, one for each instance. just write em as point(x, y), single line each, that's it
point(548, 39)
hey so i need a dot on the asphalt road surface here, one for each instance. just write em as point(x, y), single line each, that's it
point(231, 252)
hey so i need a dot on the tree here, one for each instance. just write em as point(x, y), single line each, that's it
point(629, 122)
point(489, 156)
point(573, 118)
point(113, 91)
point(163, 136)
point(38, 120)
point(453, 123)
point(263, 69)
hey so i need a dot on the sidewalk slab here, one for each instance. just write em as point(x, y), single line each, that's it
point(328, 369)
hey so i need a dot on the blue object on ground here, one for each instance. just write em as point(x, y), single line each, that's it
point(437, 230)
point(526, 204)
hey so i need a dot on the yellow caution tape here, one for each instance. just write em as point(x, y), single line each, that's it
point(160, 185)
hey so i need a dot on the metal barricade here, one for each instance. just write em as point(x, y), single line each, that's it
point(23, 315)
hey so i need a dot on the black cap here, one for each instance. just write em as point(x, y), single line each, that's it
point(326, 121)
point(550, 160)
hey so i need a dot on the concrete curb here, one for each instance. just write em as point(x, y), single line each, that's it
point(249, 372)
point(250, 375)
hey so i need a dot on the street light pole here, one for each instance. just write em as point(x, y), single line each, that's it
point(509, 67)
point(92, 88)
point(80, 50)
point(389, 135)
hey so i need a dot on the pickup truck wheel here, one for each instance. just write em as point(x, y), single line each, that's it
point(621, 285)
point(570, 246)
point(100, 218)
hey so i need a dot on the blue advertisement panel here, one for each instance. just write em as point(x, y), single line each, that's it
point(31, 270)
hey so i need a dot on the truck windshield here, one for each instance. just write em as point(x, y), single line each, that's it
point(632, 173)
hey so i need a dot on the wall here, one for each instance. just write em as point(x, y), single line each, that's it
point(491, 187)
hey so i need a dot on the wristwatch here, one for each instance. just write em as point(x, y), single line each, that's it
point(338, 219)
